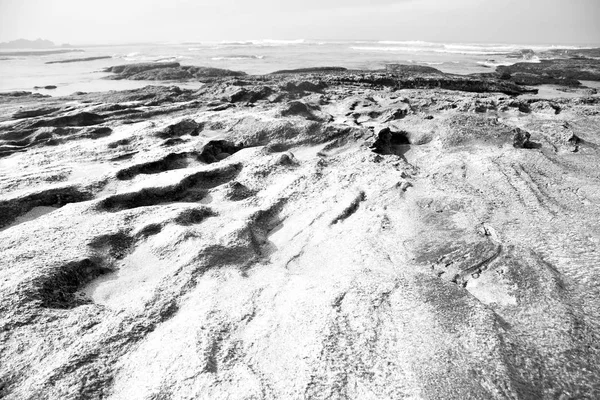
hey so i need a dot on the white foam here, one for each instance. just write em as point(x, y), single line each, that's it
point(237, 58)
point(457, 48)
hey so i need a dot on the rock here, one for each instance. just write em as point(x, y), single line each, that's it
point(236, 191)
point(406, 69)
point(305, 86)
point(318, 70)
point(557, 71)
point(404, 185)
point(388, 139)
point(72, 60)
point(522, 105)
point(249, 95)
point(47, 87)
point(167, 71)
point(398, 113)
point(297, 108)
point(75, 119)
point(287, 159)
point(131, 69)
point(186, 126)
point(521, 139)
point(16, 94)
point(217, 150)
point(36, 112)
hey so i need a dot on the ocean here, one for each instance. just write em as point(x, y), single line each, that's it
point(23, 72)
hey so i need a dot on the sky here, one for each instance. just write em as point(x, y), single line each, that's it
point(81, 22)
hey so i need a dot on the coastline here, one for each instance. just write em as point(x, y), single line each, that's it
point(259, 58)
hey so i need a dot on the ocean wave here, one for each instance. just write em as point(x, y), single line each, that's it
point(275, 42)
point(494, 63)
point(458, 48)
point(140, 57)
point(401, 49)
point(172, 58)
point(263, 42)
point(237, 57)
point(234, 43)
point(410, 43)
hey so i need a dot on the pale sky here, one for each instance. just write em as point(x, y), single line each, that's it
point(126, 21)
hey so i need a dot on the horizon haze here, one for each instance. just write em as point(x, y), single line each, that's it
point(461, 21)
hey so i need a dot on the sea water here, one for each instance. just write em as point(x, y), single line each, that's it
point(23, 72)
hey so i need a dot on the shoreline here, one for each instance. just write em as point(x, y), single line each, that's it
point(251, 59)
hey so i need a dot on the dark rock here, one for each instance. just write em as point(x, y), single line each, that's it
point(131, 69)
point(421, 77)
point(99, 132)
point(298, 108)
point(235, 191)
point(35, 112)
point(387, 140)
point(78, 119)
point(16, 94)
point(48, 87)
point(167, 71)
point(557, 71)
point(209, 72)
point(313, 70)
point(161, 74)
point(172, 142)
point(305, 86)
point(521, 139)
point(249, 95)
point(215, 150)
point(404, 69)
point(184, 127)
point(523, 106)
point(221, 107)
point(78, 60)
point(287, 159)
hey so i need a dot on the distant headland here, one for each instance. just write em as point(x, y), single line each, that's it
point(31, 44)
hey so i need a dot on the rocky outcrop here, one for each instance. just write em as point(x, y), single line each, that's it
point(47, 87)
point(309, 70)
point(186, 126)
point(395, 75)
point(521, 139)
point(72, 60)
point(167, 71)
point(557, 71)
point(36, 112)
point(27, 44)
point(251, 239)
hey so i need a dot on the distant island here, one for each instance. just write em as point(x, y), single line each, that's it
point(30, 44)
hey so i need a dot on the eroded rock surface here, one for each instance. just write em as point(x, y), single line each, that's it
point(317, 236)
point(167, 71)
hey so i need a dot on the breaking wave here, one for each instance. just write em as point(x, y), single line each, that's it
point(455, 48)
point(237, 57)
